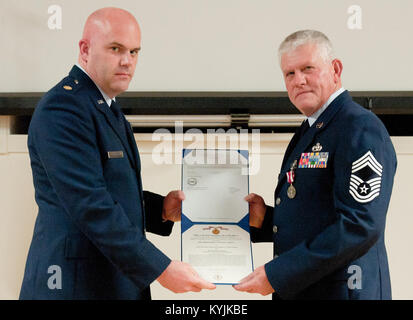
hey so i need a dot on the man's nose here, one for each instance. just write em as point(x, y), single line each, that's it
point(299, 79)
point(126, 59)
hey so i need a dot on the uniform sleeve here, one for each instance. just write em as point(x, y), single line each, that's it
point(64, 137)
point(364, 168)
point(153, 210)
point(265, 233)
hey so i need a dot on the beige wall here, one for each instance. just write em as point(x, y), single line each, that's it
point(211, 45)
point(18, 211)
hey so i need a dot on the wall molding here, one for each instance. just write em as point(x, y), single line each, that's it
point(270, 143)
point(4, 133)
point(211, 102)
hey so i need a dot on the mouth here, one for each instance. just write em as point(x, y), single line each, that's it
point(302, 92)
point(123, 75)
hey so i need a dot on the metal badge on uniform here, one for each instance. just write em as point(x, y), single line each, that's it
point(313, 160)
point(115, 154)
point(67, 88)
point(317, 148)
point(101, 101)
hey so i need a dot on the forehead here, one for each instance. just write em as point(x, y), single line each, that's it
point(126, 34)
point(301, 56)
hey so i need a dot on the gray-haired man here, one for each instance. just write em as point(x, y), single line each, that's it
point(333, 189)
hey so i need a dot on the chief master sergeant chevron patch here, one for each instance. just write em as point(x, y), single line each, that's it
point(365, 179)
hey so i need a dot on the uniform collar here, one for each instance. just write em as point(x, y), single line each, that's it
point(105, 96)
point(313, 118)
point(322, 122)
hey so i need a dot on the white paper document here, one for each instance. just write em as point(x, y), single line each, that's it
point(215, 222)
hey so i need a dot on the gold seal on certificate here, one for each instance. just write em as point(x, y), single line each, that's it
point(215, 222)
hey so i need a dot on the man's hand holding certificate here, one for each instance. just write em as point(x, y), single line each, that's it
point(215, 220)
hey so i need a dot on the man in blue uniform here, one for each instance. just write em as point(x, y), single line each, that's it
point(333, 189)
point(89, 239)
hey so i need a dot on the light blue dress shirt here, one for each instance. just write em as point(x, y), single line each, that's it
point(313, 118)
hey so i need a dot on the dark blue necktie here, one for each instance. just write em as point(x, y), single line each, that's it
point(122, 126)
point(303, 129)
point(294, 141)
point(119, 117)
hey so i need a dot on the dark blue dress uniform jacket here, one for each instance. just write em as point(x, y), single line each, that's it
point(329, 240)
point(91, 220)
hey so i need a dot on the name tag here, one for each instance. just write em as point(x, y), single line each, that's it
point(115, 154)
point(313, 160)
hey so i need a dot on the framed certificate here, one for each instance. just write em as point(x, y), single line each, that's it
point(215, 234)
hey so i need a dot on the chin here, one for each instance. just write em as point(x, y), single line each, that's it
point(120, 88)
point(306, 108)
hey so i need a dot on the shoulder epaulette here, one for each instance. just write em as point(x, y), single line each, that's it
point(70, 84)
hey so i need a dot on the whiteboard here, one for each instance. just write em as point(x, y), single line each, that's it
point(212, 45)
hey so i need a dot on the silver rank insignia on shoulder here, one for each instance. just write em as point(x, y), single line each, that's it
point(365, 179)
point(317, 148)
point(101, 101)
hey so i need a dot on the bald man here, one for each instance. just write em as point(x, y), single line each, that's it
point(89, 238)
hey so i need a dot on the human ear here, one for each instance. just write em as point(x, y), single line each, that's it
point(337, 69)
point(84, 50)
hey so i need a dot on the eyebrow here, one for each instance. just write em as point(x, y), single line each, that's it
point(121, 45)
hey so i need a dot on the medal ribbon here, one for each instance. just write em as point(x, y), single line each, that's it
point(290, 176)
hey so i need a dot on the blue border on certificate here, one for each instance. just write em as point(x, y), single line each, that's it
point(187, 223)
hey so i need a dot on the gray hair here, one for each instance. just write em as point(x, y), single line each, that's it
point(302, 37)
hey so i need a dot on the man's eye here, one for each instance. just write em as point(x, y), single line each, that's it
point(115, 49)
point(134, 52)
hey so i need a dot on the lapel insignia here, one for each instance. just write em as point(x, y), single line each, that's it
point(76, 81)
point(68, 88)
point(317, 148)
point(365, 179)
point(320, 125)
point(101, 101)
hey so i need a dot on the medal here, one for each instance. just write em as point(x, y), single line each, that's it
point(291, 192)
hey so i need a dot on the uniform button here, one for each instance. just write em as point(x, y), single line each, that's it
point(278, 201)
point(275, 229)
